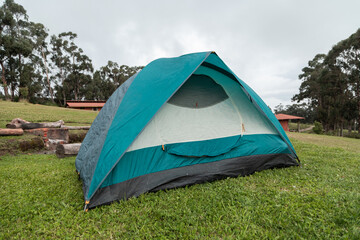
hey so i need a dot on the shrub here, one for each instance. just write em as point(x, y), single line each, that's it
point(24, 92)
point(318, 129)
point(353, 135)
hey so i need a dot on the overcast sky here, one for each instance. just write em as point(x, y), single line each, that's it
point(266, 43)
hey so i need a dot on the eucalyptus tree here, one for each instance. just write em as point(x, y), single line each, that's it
point(60, 56)
point(118, 74)
point(331, 85)
point(108, 78)
point(346, 56)
point(324, 88)
point(81, 74)
point(73, 68)
point(21, 42)
point(15, 43)
point(311, 88)
point(97, 89)
point(41, 53)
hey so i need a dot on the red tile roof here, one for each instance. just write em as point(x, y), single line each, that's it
point(282, 116)
point(76, 104)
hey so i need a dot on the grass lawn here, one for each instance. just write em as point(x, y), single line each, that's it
point(348, 144)
point(293, 126)
point(38, 113)
point(41, 197)
point(41, 113)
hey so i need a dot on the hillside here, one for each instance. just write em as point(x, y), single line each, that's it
point(40, 113)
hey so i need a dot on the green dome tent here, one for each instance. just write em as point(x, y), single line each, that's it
point(179, 121)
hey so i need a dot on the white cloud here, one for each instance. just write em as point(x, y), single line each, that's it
point(266, 43)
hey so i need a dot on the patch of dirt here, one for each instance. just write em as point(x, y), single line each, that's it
point(19, 145)
point(33, 144)
point(77, 137)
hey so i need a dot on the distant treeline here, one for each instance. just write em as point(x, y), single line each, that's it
point(43, 68)
point(330, 88)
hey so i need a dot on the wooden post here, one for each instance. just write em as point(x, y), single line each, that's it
point(66, 150)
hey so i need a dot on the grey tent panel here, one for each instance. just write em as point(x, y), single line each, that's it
point(189, 175)
point(95, 138)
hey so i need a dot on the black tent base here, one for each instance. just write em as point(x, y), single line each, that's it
point(189, 175)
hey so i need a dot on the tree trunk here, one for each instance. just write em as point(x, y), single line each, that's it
point(350, 127)
point(7, 97)
point(66, 150)
point(20, 69)
point(62, 83)
point(11, 132)
point(12, 89)
point(341, 128)
point(358, 97)
point(64, 96)
point(11, 85)
point(47, 75)
point(76, 96)
point(359, 118)
point(20, 123)
point(335, 129)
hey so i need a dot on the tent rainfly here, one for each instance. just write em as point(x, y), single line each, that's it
point(179, 121)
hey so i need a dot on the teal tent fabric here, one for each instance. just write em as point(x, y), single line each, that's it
point(152, 87)
point(214, 59)
point(212, 148)
point(154, 159)
point(103, 161)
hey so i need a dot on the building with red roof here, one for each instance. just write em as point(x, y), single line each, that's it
point(91, 105)
point(284, 120)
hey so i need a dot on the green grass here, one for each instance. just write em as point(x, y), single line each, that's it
point(294, 125)
point(41, 198)
point(38, 113)
point(41, 113)
point(348, 144)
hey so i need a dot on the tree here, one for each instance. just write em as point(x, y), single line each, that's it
point(80, 75)
point(39, 35)
point(118, 74)
point(73, 67)
point(346, 56)
point(99, 88)
point(324, 88)
point(303, 110)
point(60, 56)
point(19, 51)
point(14, 43)
point(30, 67)
point(106, 80)
point(331, 85)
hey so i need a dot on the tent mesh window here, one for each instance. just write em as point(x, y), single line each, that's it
point(199, 91)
